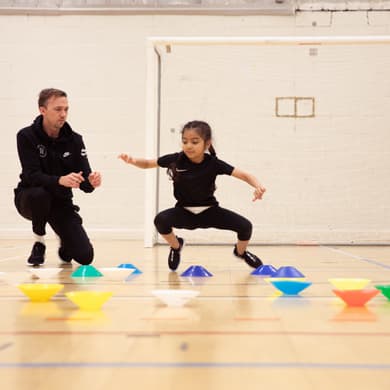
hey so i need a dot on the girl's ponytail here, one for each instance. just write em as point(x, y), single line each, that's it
point(212, 150)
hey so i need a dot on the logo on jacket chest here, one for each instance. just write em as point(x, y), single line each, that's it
point(42, 150)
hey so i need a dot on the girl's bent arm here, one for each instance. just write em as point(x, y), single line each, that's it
point(138, 162)
point(251, 180)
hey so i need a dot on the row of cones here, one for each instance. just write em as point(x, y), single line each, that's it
point(89, 271)
point(287, 279)
point(264, 270)
point(290, 281)
point(85, 300)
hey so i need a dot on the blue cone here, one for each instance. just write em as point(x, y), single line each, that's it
point(290, 287)
point(196, 271)
point(130, 266)
point(264, 270)
point(288, 272)
point(133, 276)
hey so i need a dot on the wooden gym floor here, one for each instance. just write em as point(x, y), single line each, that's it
point(237, 334)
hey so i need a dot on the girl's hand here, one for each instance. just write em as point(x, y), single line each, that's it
point(138, 162)
point(127, 159)
point(259, 192)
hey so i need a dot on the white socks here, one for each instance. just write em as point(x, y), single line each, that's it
point(40, 239)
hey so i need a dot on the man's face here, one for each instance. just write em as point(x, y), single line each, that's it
point(55, 112)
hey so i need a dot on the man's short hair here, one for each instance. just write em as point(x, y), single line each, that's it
point(48, 93)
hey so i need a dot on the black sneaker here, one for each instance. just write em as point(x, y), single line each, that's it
point(37, 256)
point(64, 255)
point(174, 255)
point(251, 259)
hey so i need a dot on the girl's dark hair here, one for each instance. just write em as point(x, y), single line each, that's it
point(203, 129)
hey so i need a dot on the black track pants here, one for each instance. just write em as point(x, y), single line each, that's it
point(213, 217)
point(38, 206)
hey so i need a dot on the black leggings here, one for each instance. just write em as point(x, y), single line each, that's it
point(213, 217)
point(37, 205)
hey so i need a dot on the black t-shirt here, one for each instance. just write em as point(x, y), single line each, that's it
point(195, 184)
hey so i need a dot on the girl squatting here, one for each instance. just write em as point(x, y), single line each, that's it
point(193, 172)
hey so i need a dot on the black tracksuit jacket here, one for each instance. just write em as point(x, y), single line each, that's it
point(44, 159)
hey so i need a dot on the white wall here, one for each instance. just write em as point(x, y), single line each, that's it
point(100, 61)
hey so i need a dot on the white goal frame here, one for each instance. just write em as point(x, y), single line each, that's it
point(153, 96)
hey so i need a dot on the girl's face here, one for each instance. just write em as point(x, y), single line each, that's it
point(193, 145)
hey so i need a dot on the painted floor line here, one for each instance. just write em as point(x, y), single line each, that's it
point(24, 257)
point(191, 333)
point(370, 261)
point(9, 258)
point(286, 365)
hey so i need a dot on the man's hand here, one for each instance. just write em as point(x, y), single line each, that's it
point(71, 180)
point(95, 179)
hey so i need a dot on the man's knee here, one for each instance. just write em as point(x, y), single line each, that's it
point(39, 197)
point(84, 256)
point(33, 200)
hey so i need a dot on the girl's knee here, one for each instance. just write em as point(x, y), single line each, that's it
point(245, 232)
point(162, 223)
